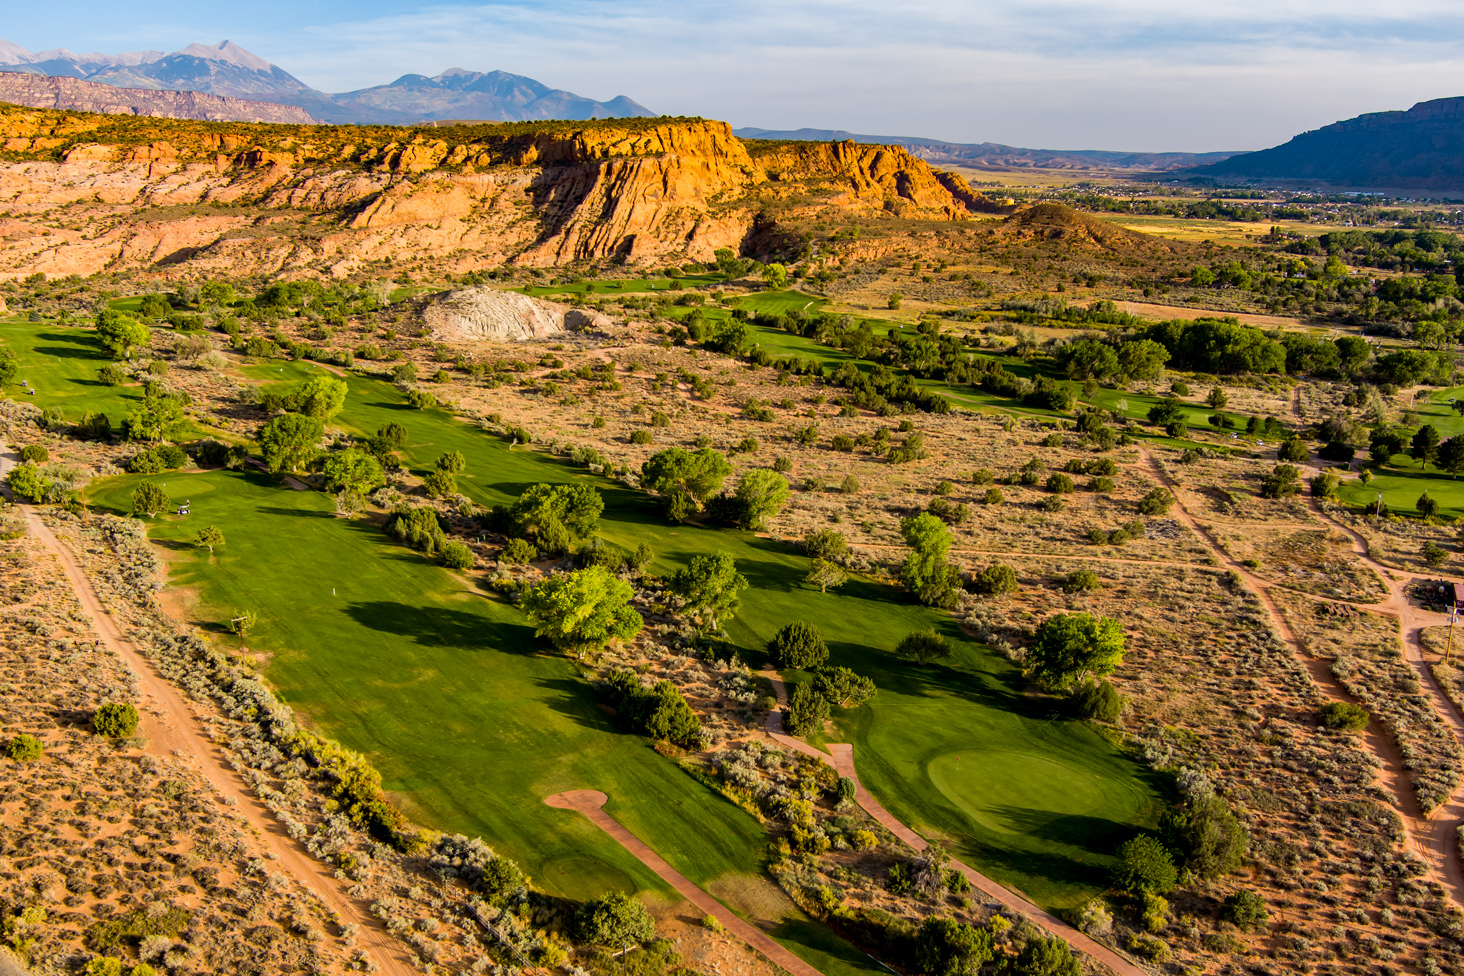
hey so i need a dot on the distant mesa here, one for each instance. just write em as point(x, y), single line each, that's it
point(1421, 149)
point(991, 155)
point(40, 91)
point(229, 71)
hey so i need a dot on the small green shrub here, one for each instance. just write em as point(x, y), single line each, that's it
point(115, 720)
point(36, 453)
point(641, 436)
point(1344, 716)
point(24, 748)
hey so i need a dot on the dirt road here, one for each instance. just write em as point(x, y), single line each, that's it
point(172, 729)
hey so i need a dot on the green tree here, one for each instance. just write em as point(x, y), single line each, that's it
point(1098, 700)
point(208, 537)
point(322, 397)
point(148, 499)
point(616, 921)
point(1205, 836)
point(842, 686)
point(439, 484)
point(946, 947)
point(1325, 485)
point(807, 711)
point(354, 472)
point(24, 748)
point(115, 720)
point(776, 276)
point(825, 574)
point(1434, 554)
point(925, 572)
point(1046, 957)
point(1217, 398)
point(762, 495)
point(155, 418)
point(455, 555)
point(290, 441)
point(9, 366)
point(1424, 447)
point(1354, 352)
point(452, 462)
point(393, 436)
point(583, 611)
point(685, 479)
point(27, 484)
point(710, 585)
point(825, 544)
point(1427, 505)
point(1451, 455)
point(798, 645)
point(1294, 449)
point(1072, 646)
point(553, 516)
point(121, 333)
point(1145, 865)
point(924, 646)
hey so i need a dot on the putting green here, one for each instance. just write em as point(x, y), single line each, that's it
point(1016, 792)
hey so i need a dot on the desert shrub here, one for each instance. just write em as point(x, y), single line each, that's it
point(850, 485)
point(1081, 580)
point(995, 580)
point(519, 551)
point(826, 544)
point(1060, 484)
point(1344, 716)
point(115, 720)
point(24, 748)
point(455, 555)
point(155, 460)
point(1098, 700)
point(798, 645)
point(994, 496)
point(982, 476)
point(1284, 481)
point(1245, 910)
point(36, 453)
point(1156, 502)
point(641, 436)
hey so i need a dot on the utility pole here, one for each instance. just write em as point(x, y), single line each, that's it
point(1453, 612)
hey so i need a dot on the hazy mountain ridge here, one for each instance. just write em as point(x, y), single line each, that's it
point(42, 91)
point(996, 156)
point(1420, 149)
point(230, 71)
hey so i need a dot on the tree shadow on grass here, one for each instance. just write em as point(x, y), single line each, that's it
point(444, 627)
point(296, 512)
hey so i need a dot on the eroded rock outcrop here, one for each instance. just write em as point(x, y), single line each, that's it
point(480, 313)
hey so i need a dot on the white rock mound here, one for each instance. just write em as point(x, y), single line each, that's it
point(478, 313)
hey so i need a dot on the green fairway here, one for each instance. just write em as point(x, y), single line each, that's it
point(61, 364)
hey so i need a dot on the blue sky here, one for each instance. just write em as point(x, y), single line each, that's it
point(1071, 74)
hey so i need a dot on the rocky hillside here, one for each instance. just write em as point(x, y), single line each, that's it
point(1420, 149)
point(85, 192)
point(39, 91)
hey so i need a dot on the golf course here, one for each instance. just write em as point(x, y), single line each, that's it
point(472, 721)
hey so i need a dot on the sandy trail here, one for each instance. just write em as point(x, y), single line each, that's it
point(1432, 837)
point(172, 729)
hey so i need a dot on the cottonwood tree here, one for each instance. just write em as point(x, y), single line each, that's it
point(553, 516)
point(1074, 646)
point(322, 397)
point(710, 585)
point(208, 537)
point(290, 441)
point(27, 484)
point(583, 611)
point(685, 479)
point(842, 686)
point(946, 947)
point(825, 574)
point(761, 495)
point(925, 572)
point(353, 472)
point(121, 333)
point(148, 499)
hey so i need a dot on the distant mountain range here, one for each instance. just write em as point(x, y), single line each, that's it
point(1421, 149)
point(990, 155)
point(230, 71)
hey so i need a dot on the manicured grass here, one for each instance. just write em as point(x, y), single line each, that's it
point(1401, 484)
point(60, 363)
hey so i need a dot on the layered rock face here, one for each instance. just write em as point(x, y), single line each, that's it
point(475, 314)
point(38, 91)
point(178, 196)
